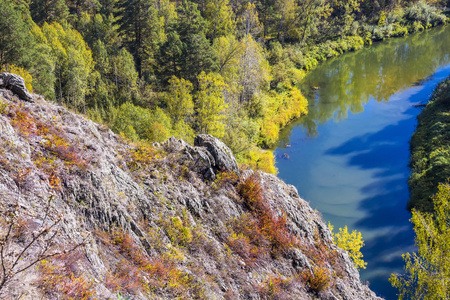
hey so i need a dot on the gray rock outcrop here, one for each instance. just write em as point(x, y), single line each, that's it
point(16, 84)
point(223, 157)
point(176, 214)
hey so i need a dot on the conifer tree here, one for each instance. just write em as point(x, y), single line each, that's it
point(15, 39)
point(141, 30)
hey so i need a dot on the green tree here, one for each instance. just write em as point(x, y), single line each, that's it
point(179, 100)
point(220, 18)
point(428, 271)
point(210, 104)
point(48, 11)
point(197, 53)
point(141, 29)
point(186, 51)
point(74, 66)
point(15, 38)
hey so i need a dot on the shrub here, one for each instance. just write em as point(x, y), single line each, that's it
point(258, 159)
point(60, 279)
point(318, 279)
point(262, 228)
point(352, 243)
point(275, 287)
point(140, 157)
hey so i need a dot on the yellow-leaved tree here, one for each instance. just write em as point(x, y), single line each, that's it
point(428, 271)
point(179, 99)
point(210, 104)
point(350, 242)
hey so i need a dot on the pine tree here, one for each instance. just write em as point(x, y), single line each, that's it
point(186, 52)
point(141, 30)
point(15, 38)
point(48, 11)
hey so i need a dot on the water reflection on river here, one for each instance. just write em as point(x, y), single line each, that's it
point(349, 156)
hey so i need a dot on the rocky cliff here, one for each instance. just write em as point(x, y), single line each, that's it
point(87, 215)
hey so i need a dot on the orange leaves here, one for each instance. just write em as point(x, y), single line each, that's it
point(319, 279)
point(136, 272)
point(140, 157)
point(59, 278)
point(261, 232)
point(53, 150)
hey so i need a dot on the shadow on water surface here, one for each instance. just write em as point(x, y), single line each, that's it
point(371, 190)
point(384, 200)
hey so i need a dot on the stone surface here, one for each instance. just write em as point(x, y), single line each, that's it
point(16, 84)
point(223, 157)
point(179, 182)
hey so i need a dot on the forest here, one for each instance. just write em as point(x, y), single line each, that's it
point(150, 69)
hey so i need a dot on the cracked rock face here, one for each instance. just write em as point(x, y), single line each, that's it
point(223, 157)
point(16, 84)
point(172, 204)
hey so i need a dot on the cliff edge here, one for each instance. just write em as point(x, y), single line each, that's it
point(87, 215)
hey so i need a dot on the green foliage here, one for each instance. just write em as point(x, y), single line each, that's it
point(179, 99)
point(16, 42)
point(430, 149)
point(142, 30)
point(220, 18)
point(139, 123)
point(48, 11)
point(74, 66)
point(350, 242)
point(127, 52)
point(210, 105)
point(428, 270)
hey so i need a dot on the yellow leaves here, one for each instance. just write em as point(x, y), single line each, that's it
point(21, 72)
point(220, 17)
point(350, 242)
point(210, 104)
point(258, 159)
point(179, 101)
point(428, 271)
point(280, 109)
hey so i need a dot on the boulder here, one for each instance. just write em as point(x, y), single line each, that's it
point(16, 84)
point(223, 157)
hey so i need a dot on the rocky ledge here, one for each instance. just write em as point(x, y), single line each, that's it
point(85, 214)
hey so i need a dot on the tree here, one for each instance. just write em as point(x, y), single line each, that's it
point(15, 39)
point(220, 18)
point(428, 271)
point(253, 70)
point(352, 243)
point(307, 18)
point(74, 66)
point(210, 104)
point(48, 11)
point(179, 101)
point(141, 29)
point(186, 51)
point(248, 22)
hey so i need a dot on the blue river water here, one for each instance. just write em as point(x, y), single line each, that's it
point(349, 157)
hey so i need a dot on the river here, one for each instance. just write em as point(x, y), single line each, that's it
point(349, 156)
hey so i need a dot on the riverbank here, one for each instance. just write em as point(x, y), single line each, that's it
point(430, 149)
point(349, 156)
point(297, 60)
